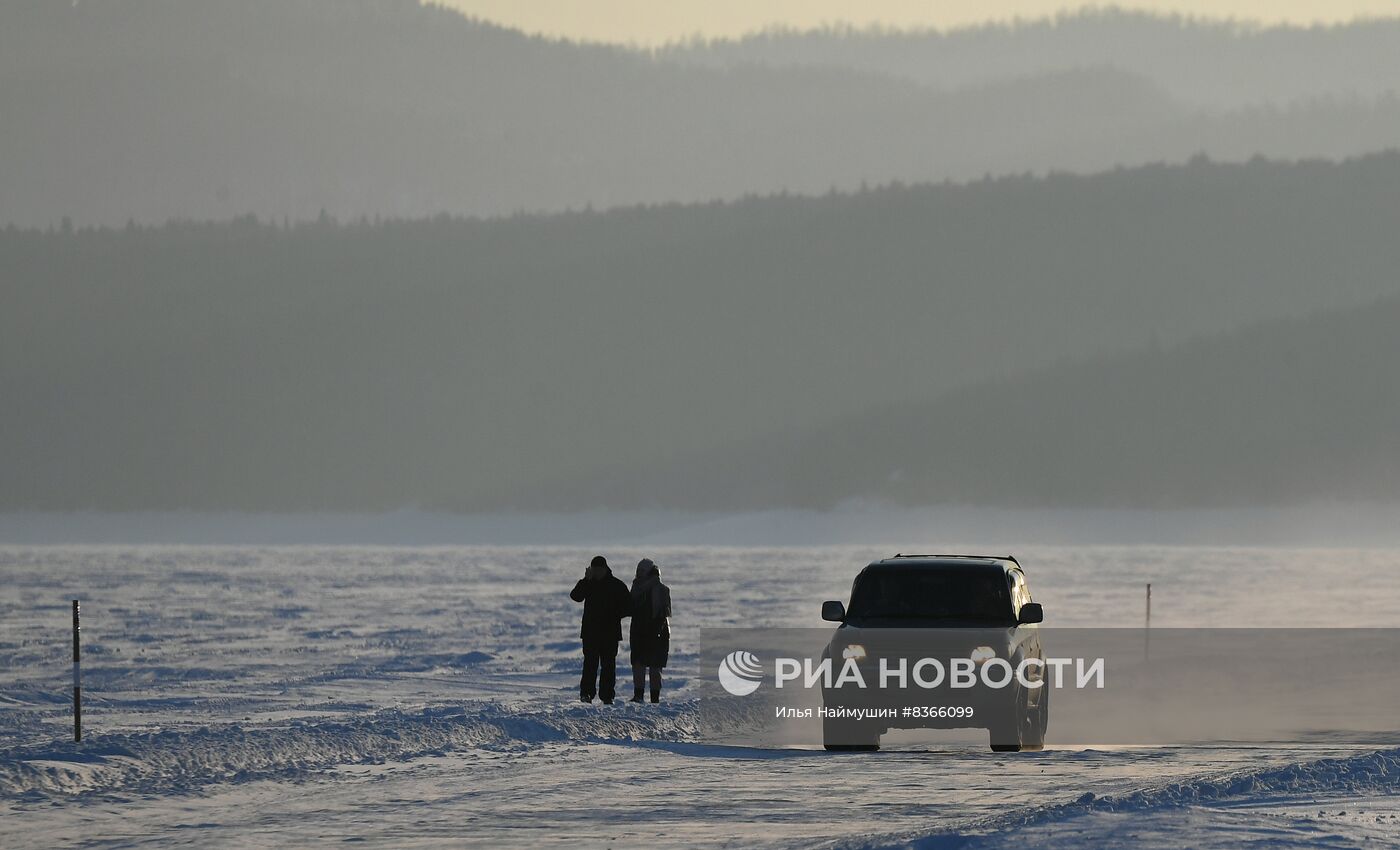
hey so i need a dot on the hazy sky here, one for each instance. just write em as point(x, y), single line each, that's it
point(662, 20)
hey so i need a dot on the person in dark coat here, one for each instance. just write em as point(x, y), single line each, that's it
point(651, 629)
point(605, 602)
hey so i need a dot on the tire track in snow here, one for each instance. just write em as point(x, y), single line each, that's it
point(1373, 773)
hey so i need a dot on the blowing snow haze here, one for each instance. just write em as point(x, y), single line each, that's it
point(238, 276)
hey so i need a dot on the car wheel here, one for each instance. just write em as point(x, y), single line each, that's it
point(1033, 728)
point(1005, 733)
point(845, 736)
point(1039, 722)
point(1019, 728)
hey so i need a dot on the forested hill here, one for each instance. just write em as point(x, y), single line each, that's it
point(159, 109)
point(1286, 412)
point(489, 364)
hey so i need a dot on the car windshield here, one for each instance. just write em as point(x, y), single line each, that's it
point(933, 594)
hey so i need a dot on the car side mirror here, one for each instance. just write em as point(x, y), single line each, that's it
point(834, 611)
point(1031, 612)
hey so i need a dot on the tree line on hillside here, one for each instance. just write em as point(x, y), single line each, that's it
point(492, 364)
point(1302, 410)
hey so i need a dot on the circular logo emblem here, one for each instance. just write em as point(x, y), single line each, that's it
point(740, 673)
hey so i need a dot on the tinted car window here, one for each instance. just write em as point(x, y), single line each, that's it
point(933, 594)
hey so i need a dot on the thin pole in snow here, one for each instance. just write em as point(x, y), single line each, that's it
point(77, 680)
point(1147, 629)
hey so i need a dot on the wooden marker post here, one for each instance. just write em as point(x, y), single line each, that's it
point(1147, 629)
point(77, 680)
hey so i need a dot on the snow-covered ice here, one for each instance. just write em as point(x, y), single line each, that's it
point(426, 696)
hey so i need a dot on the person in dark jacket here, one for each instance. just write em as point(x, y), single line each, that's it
point(605, 602)
point(651, 629)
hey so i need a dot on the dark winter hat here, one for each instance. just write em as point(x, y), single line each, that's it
point(645, 567)
point(599, 561)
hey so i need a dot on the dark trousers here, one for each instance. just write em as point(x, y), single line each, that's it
point(639, 676)
point(600, 665)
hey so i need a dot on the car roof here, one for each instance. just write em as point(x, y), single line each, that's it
point(998, 562)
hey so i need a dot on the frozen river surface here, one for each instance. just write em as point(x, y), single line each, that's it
point(241, 696)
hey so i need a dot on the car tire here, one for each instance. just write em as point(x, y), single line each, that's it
point(1020, 727)
point(845, 736)
point(1038, 723)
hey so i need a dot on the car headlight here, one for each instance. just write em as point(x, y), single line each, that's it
point(854, 650)
point(982, 654)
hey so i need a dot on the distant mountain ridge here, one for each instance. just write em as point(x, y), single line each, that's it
point(1219, 64)
point(210, 109)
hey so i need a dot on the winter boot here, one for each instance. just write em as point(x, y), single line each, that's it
point(637, 695)
point(655, 695)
